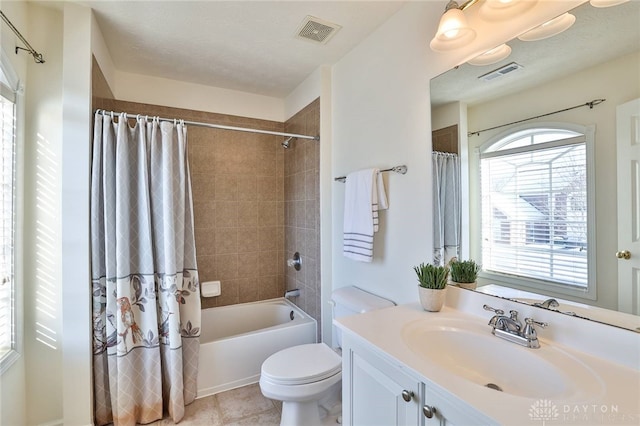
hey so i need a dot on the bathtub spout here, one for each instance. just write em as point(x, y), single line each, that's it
point(291, 293)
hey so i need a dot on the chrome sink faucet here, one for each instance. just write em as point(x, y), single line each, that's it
point(510, 328)
point(547, 304)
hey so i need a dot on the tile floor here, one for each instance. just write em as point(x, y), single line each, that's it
point(242, 406)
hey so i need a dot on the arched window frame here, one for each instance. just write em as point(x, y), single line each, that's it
point(528, 283)
point(12, 90)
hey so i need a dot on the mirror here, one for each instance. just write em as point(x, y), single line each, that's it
point(602, 45)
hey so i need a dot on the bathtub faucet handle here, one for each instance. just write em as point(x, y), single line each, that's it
point(296, 262)
point(291, 293)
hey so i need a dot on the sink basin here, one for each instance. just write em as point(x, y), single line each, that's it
point(469, 351)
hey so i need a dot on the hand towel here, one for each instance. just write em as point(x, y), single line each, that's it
point(379, 198)
point(364, 196)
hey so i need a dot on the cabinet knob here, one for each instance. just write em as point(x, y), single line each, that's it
point(428, 411)
point(623, 254)
point(407, 395)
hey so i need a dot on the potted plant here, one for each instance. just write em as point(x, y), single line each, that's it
point(464, 273)
point(432, 285)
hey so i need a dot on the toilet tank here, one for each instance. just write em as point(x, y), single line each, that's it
point(352, 300)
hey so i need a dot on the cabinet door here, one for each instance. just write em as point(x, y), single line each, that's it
point(447, 410)
point(376, 393)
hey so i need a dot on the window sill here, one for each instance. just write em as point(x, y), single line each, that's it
point(7, 359)
point(539, 286)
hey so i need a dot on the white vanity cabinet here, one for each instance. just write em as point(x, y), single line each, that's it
point(446, 410)
point(378, 391)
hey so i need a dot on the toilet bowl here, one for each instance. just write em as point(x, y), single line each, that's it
point(307, 378)
point(302, 376)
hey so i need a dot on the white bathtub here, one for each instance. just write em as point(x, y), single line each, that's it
point(235, 340)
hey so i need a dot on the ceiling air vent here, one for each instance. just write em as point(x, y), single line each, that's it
point(317, 30)
point(501, 71)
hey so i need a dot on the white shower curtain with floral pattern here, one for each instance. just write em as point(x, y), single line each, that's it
point(446, 207)
point(146, 297)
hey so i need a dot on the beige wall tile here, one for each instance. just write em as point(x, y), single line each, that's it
point(268, 238)
point(248, 239)
point(248, 265)
point(226, 214)
point(267, 190)
point(247, 187)
point(267, 213)
point(204, 214)
point(270, 287)
point(226, 240)
point(248, 290)
point(205, 241)
point(226, 188)
point(229, 294)
point(268, 262)
point(226, 266)
point(248, 213)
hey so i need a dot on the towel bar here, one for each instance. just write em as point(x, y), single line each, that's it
point(398, 169)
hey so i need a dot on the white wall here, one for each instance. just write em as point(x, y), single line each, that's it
point(43, 166)
point(616, 81)
point(381, 118)
point(76, 158)
point(180, 94)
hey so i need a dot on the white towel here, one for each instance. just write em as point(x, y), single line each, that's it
point(364, 196)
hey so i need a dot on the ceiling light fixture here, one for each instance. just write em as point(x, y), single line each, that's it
point(550, 28)
point(500, 10)
point(453, 31)
point(491, 56)
point(606, 3)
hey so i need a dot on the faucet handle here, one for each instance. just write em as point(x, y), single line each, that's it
point(531, 322)
point(496, 311)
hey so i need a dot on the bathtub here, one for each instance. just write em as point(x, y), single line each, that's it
point(235, 340)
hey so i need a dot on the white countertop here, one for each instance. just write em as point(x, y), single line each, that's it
point(617, 378)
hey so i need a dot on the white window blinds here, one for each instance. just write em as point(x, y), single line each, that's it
point(534, 207)
point(7, 219)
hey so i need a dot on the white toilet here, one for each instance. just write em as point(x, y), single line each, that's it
point(307, 378)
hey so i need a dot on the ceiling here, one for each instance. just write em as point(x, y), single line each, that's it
point(249, 46)
point(598, 35)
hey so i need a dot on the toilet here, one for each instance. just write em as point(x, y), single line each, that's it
point(308, 378)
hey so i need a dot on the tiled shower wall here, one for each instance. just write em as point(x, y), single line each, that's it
point(243, 205)
point(302, 208)
point(237, 180)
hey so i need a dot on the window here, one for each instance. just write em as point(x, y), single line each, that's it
point(7, 221)
point(534, 209)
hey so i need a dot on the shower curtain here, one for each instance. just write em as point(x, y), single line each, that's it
point(146, 297)
point(446, 210)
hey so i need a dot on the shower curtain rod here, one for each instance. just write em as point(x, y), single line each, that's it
point(218, 126)
point(590, 104)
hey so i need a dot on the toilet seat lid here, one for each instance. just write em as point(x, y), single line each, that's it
point(302, 364)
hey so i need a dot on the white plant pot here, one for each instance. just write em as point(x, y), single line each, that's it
point(468, 286)
point(430, 299)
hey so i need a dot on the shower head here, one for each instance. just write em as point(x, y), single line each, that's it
point(286, 142)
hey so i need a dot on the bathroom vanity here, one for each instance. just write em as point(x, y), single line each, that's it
point(405, 366)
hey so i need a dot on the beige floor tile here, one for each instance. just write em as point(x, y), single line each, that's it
point(242, 406)
point(203, 411)
point(268, 418)
point(243, 402)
